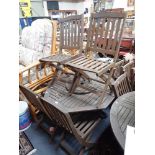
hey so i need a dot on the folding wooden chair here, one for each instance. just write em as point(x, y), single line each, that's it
point(129, 69)
point(87, 127)
point(34, 100)
point(122, 85)
point(34, 76)
point(109, 27)
point(71, 38)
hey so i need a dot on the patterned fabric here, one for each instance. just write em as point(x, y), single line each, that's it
point(25, 146)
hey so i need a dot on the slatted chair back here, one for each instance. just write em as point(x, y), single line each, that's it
point(58, 114)
point(32, 98)
point(115, 10)
point(108, 27)
point(118, 69)
point(130, 71)
point(71, 33)
point(122, 85)
point(80, 125)
point(128, 68)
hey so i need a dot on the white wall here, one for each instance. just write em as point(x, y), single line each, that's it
point(122, 4)
point(45, 8)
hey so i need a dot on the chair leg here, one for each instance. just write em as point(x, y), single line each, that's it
point(74, 83)
point(82, 151)
point(61, 139)
point(100, 102)
point(38, 122)
point(52, 131)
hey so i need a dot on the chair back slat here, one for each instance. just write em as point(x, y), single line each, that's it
point(31, 97)
point(71, 32)
point(57, 114)
point(118, 69)
point(105, 32)
point(127, 68)
point(122, 85)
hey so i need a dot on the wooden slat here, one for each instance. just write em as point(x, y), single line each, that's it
point(78, 39)
point(37, 73)
point(29, 76)
point(92, 63)
point(77, 60)
point(92, 126)
point(115, 40)
point(98, 66)
point(66, 34)
point(72, 32)
point(75, 33)
point(29, 67)
point(75, 17)
point(109, 14)
point(69, 33)
point(110, 39)
point(106, 34)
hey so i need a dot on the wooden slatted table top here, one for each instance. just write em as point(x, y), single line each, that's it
point(58, 95)
point(122, 113)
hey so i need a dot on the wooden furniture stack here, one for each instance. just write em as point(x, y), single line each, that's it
point(108, 26)
point(125, 82)
point(81, 115)
point(71, 38)
point(79, 124)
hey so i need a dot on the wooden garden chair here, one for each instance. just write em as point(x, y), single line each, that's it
point(30, 75)
point(129, 69)
point(87, 127)
point(106, 25)
point(34, 76)
point(122, 85)
point(34, 100)
point(71, 38)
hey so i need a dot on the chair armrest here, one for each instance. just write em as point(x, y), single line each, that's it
point(29, 67)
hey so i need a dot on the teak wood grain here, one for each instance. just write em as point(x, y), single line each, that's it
point(106, 25)
point(122, 113)
point(70, 27)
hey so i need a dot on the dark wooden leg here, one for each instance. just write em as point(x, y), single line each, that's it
point(100, 102)
point(52, 131)
point(55, 77)
point(38, 122)
point(75, 83)
point(61, 139)
point(81, 151)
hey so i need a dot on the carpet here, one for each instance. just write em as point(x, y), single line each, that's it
point(25, 146)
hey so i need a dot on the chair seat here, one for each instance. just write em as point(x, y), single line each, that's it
point(56, 58)
point(59, 58)
point(92, 138)
point(100, 128)
point(85, 124)
point(90, 65)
